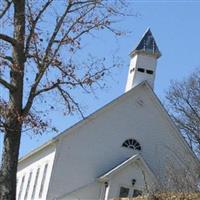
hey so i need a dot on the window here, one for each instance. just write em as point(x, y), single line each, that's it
point(124, 192)
point(141, 70)
point(43, 180)
point(136, 193)
point(132, 144)
point(35, 183)
point(149, 71)
point(21, 188)
point(28, 185)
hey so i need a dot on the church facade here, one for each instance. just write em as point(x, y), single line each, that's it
point(122, 150)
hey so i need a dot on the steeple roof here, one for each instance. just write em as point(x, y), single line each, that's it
point(147, 45)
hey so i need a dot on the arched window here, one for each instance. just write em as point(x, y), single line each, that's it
point(132, 144)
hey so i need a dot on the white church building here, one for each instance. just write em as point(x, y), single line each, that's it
point(121, 150)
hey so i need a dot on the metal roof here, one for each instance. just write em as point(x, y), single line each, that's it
point(147, 45)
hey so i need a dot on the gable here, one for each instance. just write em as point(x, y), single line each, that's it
point(136, 160)
point(94, 145)
point(123, 175)
point(175, 131)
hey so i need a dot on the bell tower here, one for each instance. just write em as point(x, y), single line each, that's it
point(143, 62)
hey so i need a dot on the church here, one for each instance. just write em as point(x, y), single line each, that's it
point(123, 149)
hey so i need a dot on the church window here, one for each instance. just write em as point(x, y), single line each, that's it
point(28, 185)
point(43, 180)
point(141, 70)
point(149, 71)
point(132, 144)
point(136, 193)
point(21, 188)
point(124, 192)
point(35, 183)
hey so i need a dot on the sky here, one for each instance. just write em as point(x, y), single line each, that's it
point(176, 29)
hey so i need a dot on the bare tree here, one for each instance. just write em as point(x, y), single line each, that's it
point(183, 103)
point(38, 42)
point(177, 180)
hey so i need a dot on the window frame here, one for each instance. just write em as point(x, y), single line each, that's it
point(134, 145)
point(28, 185)
point(19, 196)
point(140, 192)
point(131, 190)
point(124, 186)
point(149, 71)
point(140, 69)
point(43, 180)
point(34, 188)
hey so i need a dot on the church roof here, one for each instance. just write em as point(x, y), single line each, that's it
point(119, 166)
point(85, 120)
point(124, 164)
point(147, 45)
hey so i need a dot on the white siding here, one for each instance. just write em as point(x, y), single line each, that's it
point(94, 146)
point(136, 77)
point(31, 165)
point(124, 179)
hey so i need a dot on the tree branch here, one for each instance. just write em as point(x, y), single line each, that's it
point(193, 110)
point(8, 39)
point(44, 65)
point(34, 23)
point(50, 54)
point(55, 32)
point(5, 9)
point(66, 96)
point(55, 85)
point(8, 58)
point(6, 84)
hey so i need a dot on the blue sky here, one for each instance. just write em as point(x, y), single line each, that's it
point(176, 29)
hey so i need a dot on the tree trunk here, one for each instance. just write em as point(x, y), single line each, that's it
point(9, 164)
point(13, 125)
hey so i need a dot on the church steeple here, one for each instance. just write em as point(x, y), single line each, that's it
point(147, 45)
point(143, 61)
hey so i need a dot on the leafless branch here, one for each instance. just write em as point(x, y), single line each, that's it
point(55, 85)
point(55, 32)
point(38, 64)
point(34, 23)
point(67, 97)
point(8, 39)
point(8, 58)
point(183, 103)
point(7, 6)
point(6, 84)
point(44, 65)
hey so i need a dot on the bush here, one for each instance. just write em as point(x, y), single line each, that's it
point(166, 196)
